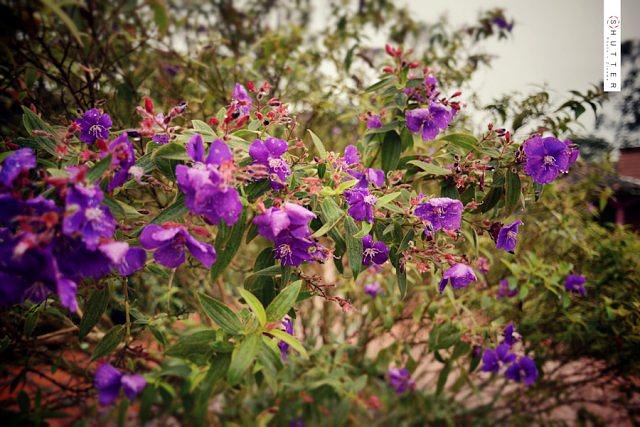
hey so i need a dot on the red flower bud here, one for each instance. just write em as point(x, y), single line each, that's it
point(148, 105)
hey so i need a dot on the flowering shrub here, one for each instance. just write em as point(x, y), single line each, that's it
point(240, 268)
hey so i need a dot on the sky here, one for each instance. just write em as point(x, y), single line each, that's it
point(558, 42)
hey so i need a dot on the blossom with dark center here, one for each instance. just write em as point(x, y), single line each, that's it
point(122, 159)
point(269, 154)
point(460, 275)
point(94, 125)
point(373, 252)
point(287, 324)
point(14, 164)
point(510, 335)
point(288, 227)
point(205, 185)
point(546, 158)
point(508, 236)
point(351, 155)
point(429, 121)
point(493, 359)
point(169, 242)
point(373, 289)
point(523, 370)
point(442, 213)
point(31, 272)
point(361, 204)
point(241, 100)
point(109, 380)
point(400, 380)
point(505, 291)
point(374, 122)
point(574, 283)
point(86, 216)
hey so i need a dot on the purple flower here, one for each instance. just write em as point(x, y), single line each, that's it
point(510, 335)
point(351, 155)
point(170, 242)
point(373, 252)
point(575, 283)
point(86, 216)
point(16, 163)
point(109, 380)
point(204, 185)
point(430, 121)
point(493, 359)
point(241, 100)
point(546, 158)
point(269, 153)
point(373, 289)
point(460, 275)
point(508, 236)
point(160, 138)
point(361, 204)
point(94, 125)
point(370, 176)
point(505, 291)
point(288, 228)
point(502, 23)
point(400, 380)
point(287, 324)
point(374, 122)
point(31, 272)
point(442, 213)
point(523, 370)
point(122, 158)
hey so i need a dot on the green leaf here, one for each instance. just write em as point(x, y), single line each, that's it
point(317, 142)
point(442, 378)
point(227, 245)
point(386, 199)
point(366, 228)
point(99, 169)
point(221, 314)
point(430, 168)
point(283, 302)
point(462, 140)
point(171, 151)
point(379, 84)
point(291, 340)
point(109, 342)
point(255, 305)
point(513, 188)
point(401, 276)
point(202, 127)
point(390, 149)
point(173, 212)
point(354, 246)
point(196, 347)
point(93, 310)
point(242, 357)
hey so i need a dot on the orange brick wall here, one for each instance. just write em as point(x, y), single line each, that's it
point(629, 162)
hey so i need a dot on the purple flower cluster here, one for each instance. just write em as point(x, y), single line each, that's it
point(428, 121)
point(373, 252)
point(547, 158)
point(508, 236)
point(288, 228)
point(94, 125)
point(574, 283)
point(400, 380)
point(269, 154)
point(374, 122)
point(169, 243)
point(361, 201)
point(205, 186)
point(504, 291)
point(459, 275)
point(441, 213)
point(241, 101)
point(14, 164)
point(287, 324)
point(109, 380)
point(520, 369)
point(86, 216)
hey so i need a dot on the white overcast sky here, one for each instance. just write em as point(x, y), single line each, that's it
point(557, 42)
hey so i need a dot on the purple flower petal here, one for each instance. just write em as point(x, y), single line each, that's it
point(133, 384)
